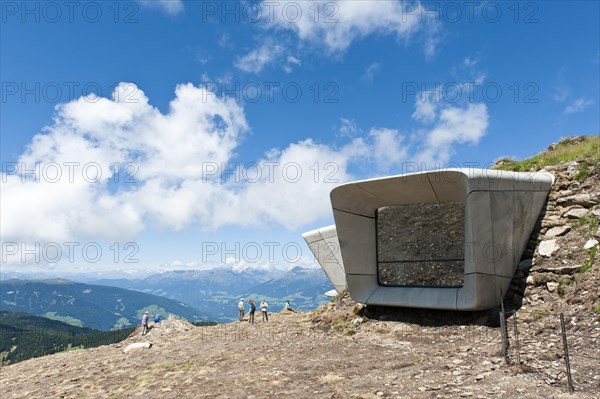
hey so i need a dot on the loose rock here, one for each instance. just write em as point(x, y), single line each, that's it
point(547, 248)
point(558, 231)
point(576, 213)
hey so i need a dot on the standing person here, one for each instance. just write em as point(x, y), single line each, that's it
point(241, 309)
point(263, 307)
point(145, 318)
point(252, 310)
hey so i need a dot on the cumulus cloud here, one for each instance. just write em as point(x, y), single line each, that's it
point(89, 137)
point(336, 24)
point(387, 148)
point(178, 162)
point(455, 125)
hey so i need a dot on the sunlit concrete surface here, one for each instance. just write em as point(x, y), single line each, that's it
point(324, 245)
point(499, 210)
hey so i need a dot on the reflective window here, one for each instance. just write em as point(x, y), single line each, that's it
point(421, 244)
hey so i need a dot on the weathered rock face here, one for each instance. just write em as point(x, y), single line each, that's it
point(556, 264)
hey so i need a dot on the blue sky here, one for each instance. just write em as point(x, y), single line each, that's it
point(297, 97)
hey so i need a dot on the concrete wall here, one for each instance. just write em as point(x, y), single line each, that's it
point(501, 209)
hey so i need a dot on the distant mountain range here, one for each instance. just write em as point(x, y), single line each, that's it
point(85, 305)
point(216, 292)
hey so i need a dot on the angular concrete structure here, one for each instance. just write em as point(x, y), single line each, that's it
point(446, 239)
point(324, 245)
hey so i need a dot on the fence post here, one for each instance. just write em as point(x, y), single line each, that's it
point(566, 349)
point(516, 329)
point(504, 333)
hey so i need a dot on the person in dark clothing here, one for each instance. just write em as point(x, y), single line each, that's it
point(252, 310)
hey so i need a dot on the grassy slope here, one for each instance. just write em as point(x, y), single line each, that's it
point(584, 148)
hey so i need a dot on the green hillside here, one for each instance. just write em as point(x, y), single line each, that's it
point(582, 148)
point(23, 336)
point(93, 306)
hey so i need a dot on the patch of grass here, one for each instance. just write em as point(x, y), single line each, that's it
point(560, 290)
point(584, 171)
point(590, 260)
point(350, 331)
point(72, 348)
point(565, 151)
point(538, 314)
point(341, 326)
point(589, 222)
point(597, 306)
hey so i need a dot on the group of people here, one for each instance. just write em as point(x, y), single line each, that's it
point(252, 309)
point(241, 309)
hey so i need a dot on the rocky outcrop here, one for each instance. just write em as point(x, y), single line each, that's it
point(557, 264)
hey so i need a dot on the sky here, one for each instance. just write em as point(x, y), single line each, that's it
point(167, 134)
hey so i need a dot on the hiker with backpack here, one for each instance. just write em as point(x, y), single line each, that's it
point(251, 311)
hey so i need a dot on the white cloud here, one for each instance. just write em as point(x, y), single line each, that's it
point(348, 128)
point(369, 74)
point(290, 63)
point(455, 125)
point(178, 157)
point(426, 105)
point(579, 105)
point(387, 149)
point(256, 60)
point(336, 24)
point(171, 7)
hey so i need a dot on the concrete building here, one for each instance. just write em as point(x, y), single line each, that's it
point(446, 239)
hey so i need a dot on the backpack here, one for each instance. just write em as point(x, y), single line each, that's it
point(252, 308)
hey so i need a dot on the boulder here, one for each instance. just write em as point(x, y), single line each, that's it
point(591, 243)
point(138, 345)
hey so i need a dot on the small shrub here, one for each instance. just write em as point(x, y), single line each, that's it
point(597, 306)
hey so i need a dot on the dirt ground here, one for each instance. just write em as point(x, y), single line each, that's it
point(294, 355)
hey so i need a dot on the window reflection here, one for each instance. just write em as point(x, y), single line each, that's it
point(421, 244)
